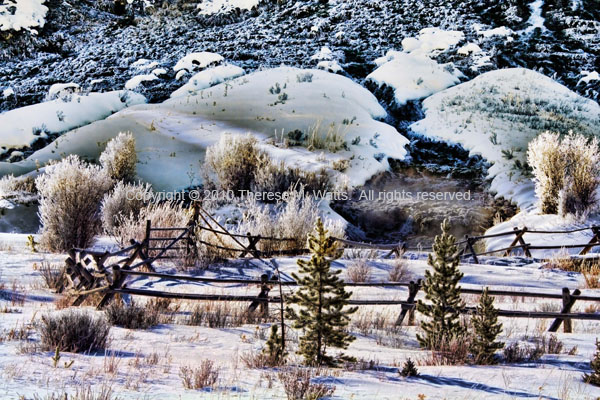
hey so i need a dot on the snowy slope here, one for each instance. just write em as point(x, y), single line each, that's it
point(171, 137)
point(207, 78)
point(22, 14)
point(498, 113)
point(22, 126)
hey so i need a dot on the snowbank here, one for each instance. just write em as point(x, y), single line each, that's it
point(431, 41)
point(22, 14)
point(208, 7)
point(137, 80)
point(22, 126)
point(198, 60)
point(589, 76)
point(501, 31)
point(171, 137)
point(208, 78)
point(498, 113)
point(414, 76)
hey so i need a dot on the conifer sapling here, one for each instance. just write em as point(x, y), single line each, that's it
point(273, 348)
point(409, 369)
point(487, 328)
point(442, 290)
point(321, 299)
point(594, 377)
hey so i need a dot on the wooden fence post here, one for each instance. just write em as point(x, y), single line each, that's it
point(470, 242)
point(595, 239)
point(413, 289)
point(519, 239)
point(568, 301)
point(251, 248)
point(146, 242)
point(262, 298)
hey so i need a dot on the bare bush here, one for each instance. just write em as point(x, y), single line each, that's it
point(230, 163)
point(126, 200)
point(52, 274)
point(453, 351)
point(221, 315)
point(278, 178)
point(105, 392)
point(119, 157)
point(548, 163)
point(205, 375)
point(76, 332)
point(70, 196)
point(399, 271)
point(359, 271)
point(298, 386)
point(132, 316)
point(517, 352)
point(591, 274)
point(259, 360)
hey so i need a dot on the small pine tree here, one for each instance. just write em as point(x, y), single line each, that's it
point(487, 328)
point(594, 377)
point(274, 349)
point(321, 299)
point(409, 369)
point(441, 288)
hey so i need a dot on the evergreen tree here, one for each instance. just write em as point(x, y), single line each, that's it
point(487, 328)
point(274, 350)
point(594, 377)
point(442, 290)
point(321, 299)
point(409, 369)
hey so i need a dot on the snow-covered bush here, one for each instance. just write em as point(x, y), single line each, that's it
point(70, 195)
point(125, 200)
point(566, 173)
point(294, 217)
point(547, 161)
point(119, 157)
point(22, 14)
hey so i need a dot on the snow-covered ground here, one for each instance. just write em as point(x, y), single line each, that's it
point(555, 376)
point(16, 15)
point(171, 137)
point(498, 113)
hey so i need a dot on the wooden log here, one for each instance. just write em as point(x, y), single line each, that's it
point(413, 289)
point(568, 302)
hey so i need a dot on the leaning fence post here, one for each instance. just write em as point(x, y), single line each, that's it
point(413, 289)
point(470, 242)
point(568, 302)
point(595, 239)
point(146, 242)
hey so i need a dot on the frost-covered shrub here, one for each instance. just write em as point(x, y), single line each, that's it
point(70, 195)
point(230, 163)
point(294, 217)
point(119, 157)
point(582, 158)
point(19, 189)
point(163, 215)
point(546, 158)
point(566, 173)
point(125, 200)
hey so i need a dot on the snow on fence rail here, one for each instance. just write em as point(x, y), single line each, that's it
point(87, 272)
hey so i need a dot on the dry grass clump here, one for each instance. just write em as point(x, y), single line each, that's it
point(591, 274)
point(278, 178)
point(132, 316)
point(71, 331)
point(359, 271)
point(297, 384)
point(19, 189)
point(259, 360)
point(52, 274)
point(105, 392)
point(126, 200)
point(70, 195)
point(332, 139)
point(562, 260)
point(517, 353)
point(119, 157)
point(203, 376)
point(454, 351)
point(222, 315)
